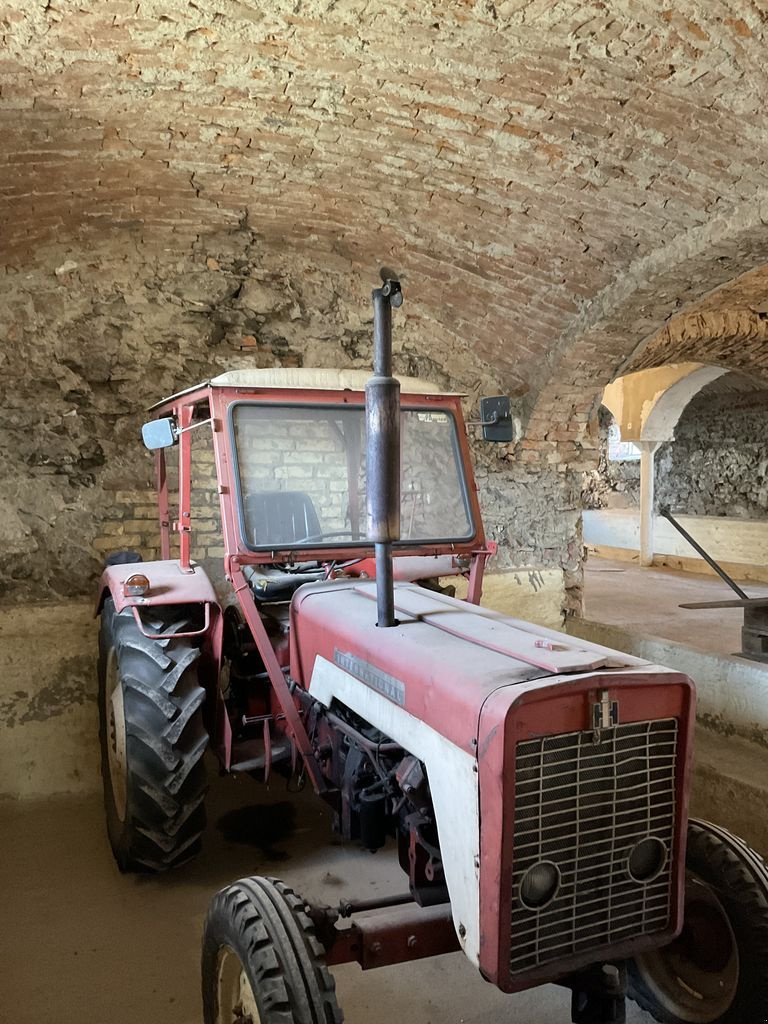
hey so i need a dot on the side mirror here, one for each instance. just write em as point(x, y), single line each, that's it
point(159, 434)
point(496, 420)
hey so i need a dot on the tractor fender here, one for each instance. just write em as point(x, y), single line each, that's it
point(169, 584)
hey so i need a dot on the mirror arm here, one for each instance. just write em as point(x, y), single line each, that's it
point(492, 422)
point(185, 430)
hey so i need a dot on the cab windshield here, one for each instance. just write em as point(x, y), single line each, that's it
point(301, 472)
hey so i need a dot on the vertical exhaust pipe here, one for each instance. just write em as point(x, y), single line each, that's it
point(382, 420)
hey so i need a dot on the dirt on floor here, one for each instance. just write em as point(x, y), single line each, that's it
point(647, 600)
point(83, 944)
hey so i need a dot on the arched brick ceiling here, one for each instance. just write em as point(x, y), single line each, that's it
point(719, 324)
point(188, 183)
point(615, 328)
point(516, 159)
point(736, 339)
point(728, 327)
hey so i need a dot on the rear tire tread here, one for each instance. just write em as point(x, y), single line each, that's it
point(165, 741)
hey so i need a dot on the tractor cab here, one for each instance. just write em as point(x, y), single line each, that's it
point(290, 454)
point(290, 450)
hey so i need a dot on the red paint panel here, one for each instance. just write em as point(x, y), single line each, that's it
point(163, 511)
point(444, 679)
point(183, 525)
point(447, 656)
point(169, 583)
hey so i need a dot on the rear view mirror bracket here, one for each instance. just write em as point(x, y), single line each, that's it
point(497, 421)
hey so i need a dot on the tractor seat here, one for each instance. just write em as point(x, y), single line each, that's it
point(268, 585)
point(280, 518)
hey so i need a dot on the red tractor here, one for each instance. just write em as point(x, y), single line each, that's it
point(536, 787)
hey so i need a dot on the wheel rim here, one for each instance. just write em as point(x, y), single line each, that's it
point(235, 1001)
point(114, 709)
point(696, 977)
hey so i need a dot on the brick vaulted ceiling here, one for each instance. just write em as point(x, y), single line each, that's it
point(180, 179)
point(515, 159)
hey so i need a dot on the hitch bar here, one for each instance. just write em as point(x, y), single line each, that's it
point(394, 935)
point(598, 994)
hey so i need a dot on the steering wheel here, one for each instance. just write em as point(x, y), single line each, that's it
point(325, 536)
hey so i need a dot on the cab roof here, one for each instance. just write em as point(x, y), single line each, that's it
point(306, 379)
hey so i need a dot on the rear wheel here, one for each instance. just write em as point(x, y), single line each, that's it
point(152, 740)
point(716, 971)
point(262, 962)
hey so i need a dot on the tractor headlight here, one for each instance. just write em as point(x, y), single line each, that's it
point(540, 885)
point(647, 859)
point(136, 585)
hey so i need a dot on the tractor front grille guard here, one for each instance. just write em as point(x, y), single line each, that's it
point(594, 829)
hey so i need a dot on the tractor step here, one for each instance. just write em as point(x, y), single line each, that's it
point(253, 757)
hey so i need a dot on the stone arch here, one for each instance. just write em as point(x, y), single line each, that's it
point(663, 417)
point(736, 338)
point(650, 310)
point(647, 404)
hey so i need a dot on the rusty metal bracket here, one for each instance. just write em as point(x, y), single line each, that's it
point(392, 935)
point(665, 513)
point(599, 994)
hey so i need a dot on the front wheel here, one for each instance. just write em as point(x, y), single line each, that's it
point(716, 971)
point(262, 962)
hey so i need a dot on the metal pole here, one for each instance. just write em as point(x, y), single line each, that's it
point(382, 333)
point(664, 511)
point(349, 907)
point(382, 415)
point(647, 452)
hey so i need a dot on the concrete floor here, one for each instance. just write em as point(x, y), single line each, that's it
point(647, 601)
point(83, 944)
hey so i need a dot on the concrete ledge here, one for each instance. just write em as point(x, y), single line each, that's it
point(739, 545)
point(736, 570)
point(535, 595)
point(48, 717)
point(732, 692)
point(730, 786)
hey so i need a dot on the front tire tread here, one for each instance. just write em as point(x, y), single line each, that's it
point(267, 926)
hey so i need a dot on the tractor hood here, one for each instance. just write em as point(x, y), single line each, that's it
point(443, 659)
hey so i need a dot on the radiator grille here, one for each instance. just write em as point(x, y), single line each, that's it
point(583, 806)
